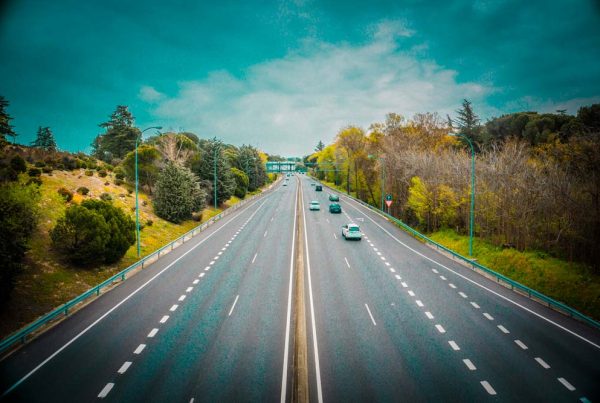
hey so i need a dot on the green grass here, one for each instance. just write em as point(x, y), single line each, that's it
point(48, 280)
point(571, 283)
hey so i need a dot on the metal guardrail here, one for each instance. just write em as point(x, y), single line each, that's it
point(514, 285)
point(22, 334)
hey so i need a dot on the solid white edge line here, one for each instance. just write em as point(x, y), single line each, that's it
point(233, 306)
point(478, 284)
point(105, 390)
point(40, 365)
point(289, 307)
point(371, 315)
point(312, 314)
point(124, 367)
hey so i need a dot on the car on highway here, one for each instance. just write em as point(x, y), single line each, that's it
point(285, 183)
point(319, 188)
point(351, 231)
point(314, 205)
point(334, 198)
point(335, 208)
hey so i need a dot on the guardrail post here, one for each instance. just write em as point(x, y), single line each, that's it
point(97, 290)
point(123, 277)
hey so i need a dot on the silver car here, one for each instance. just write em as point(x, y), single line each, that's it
point(351, 231)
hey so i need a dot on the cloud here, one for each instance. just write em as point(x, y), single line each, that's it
point(149, 94)
point(287, 105)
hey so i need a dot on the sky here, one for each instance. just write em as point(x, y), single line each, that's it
point(282, 75)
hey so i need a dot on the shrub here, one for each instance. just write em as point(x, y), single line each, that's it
point(102, 173)
point(47, 170)
point(40, 164)
point(119, 182)
point(89, 172)
point(83, 190)
point(34, 181)
point(178, 193)
point(119, 174)
point(66, 194)
point(7, 174)
point(241, 182)
point(106, 183)
point(149, 223)
point(197, 217)
point(109, 167)
point(106, 197)
point(34, 172)
point(93, 232)
point(18, 219)
point(18, 164)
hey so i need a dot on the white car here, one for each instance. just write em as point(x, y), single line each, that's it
point(314, 205)
point(351, 231)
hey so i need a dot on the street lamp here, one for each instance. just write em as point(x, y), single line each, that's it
point(382, 159)
point(471, 219)
point(137, 210)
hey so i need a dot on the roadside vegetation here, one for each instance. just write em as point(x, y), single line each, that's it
point(537, 187)
point(67, 221)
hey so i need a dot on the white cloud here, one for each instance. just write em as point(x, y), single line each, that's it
point(287, 105)
point(149, 94)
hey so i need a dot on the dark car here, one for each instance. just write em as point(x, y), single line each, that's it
point(334, 198)
point(335, 208)
point(319, 188)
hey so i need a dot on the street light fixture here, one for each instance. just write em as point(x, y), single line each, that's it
point(472, 213)
point(137, 210)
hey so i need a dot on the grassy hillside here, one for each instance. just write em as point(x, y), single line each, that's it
point(48, 280)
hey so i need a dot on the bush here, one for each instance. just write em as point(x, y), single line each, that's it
point(102, 173)
point(34, 172)
point(149, 223)
point(47, 170)
point(119, 182)
point(119, 174)
point(18, 219)
point(178, 193)
point(241, 182)
point(40, 164)
point(7, 174)
point(106, 197)
point(93, 232)
point(83, 190)
point(34, 181)
point(66, 194)
point(18, 164)
point(106, 183)
point(89, 172)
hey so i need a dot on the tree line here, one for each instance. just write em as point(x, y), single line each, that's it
point(537, 175)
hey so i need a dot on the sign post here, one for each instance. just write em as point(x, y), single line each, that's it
point(388, 201)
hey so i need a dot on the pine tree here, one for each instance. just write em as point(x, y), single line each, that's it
point(45, 139)
point(119, 138)
point(178, 194)
point(467, 121)
point(205, 169)
point(320, 146)
point(6, 129)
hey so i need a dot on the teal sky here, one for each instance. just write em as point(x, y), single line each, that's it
point(283, 74)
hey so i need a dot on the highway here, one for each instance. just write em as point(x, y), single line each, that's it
point(388, 319)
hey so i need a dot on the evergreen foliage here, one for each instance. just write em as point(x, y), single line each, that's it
point(120, 136)
point(204, 167)
point(6, 129)
point(177, 194)
point(45, 139)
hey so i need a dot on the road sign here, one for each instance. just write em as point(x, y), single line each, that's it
point(388, 197)
point(388, 202)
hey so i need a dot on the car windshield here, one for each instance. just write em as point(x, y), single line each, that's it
point(314, 202)
point(353, 229)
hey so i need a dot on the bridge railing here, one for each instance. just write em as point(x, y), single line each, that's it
point(64, 310)
point(507, 282)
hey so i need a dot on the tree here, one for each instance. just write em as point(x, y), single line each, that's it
point(119, 138)
point(178, 194)
point(241, 180)
point(18, 220)
point(6, 129)
point(467, 121)
point(320, 146)
point(148, 166)
point(204, 167)
point(250, 161)
point(93, 232)
point(45, 139)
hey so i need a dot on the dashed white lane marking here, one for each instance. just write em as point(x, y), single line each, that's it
point(521, 344)
point(220, 253)
point(334, 235)
point(375, 249)
point(124, 367)
point(201, 274)
point(105, 390)
point(419, 303)
point(404, 284)
point(182, 298)
point(173, 308)
point(378, 253)
point(392, 270)
point(224, 248)
point(196, 281)
point(387, 263)
point(443, 278)
point(469, 364)
point(233, 306)
point(435, 271)
point(327, 219)
point(462, 294)
point(254, 258)
point(543, 363)
point(139, 349)
point(440, 328)
point(429, 315)
point(347, 264)
point(189, 289)
point(503, 329)
point(265, 234)
point(411, 293)
point(487, 315)
point(207, 268)
point(153, 332)
point(192, 400)
point(368, 310)
point(211, 263)
point(475, 305)
point(272, 219)
point(452, 285)
point(164, 319)
point(488, 388)
point(216, 258)
point(566, 384)
point(454, 345)
point(398, 277)
point(382, 258)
